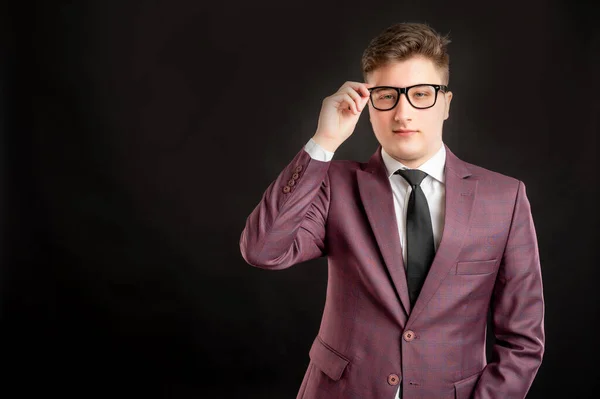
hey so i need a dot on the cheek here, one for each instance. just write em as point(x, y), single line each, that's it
point(438, 118)
point(378, 123)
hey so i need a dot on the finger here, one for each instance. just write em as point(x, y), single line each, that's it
point(363, 97)
point(361, 88)
point(366, 95)
point(340, 101)
point(355, 96)
point(346, 102)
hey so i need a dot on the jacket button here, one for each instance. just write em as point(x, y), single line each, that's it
point(393, 379)
point(295, 176)
point(286, 189)
point(298, 168)
point(408, 335)
point(291, 182)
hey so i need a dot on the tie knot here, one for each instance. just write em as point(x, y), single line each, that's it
point(414, 177)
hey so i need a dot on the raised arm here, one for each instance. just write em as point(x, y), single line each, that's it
point(288, 224)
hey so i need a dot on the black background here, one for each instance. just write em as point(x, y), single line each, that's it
point(137, 136)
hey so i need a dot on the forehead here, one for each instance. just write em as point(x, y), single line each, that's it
point(409, 72)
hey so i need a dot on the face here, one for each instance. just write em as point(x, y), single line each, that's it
point(423, 127)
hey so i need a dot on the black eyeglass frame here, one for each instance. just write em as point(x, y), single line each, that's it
point(401, 90)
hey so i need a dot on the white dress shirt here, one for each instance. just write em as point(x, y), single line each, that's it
point(433, 186)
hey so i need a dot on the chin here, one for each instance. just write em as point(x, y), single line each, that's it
point(408, 151)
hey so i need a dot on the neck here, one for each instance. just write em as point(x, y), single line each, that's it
point(416, 162)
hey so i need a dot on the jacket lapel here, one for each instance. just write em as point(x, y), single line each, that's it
point(376, 195)
point(460, 195)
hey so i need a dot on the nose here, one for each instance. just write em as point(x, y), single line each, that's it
point(402, 109)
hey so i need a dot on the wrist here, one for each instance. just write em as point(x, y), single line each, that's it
point(326, 143)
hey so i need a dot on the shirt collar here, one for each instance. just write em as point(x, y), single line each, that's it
point(434, 166)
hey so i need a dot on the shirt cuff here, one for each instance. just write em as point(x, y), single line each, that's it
point(317, 152)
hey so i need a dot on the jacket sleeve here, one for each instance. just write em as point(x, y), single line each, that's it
point(517, 312)
point(288, 224)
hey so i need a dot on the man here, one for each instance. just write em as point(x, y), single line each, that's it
point(420, 244)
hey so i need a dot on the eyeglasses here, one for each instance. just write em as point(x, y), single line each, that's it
point(421, 96)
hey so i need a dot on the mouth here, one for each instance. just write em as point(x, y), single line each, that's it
point(404, 132)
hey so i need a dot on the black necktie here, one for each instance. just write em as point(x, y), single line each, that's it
point(420, 249)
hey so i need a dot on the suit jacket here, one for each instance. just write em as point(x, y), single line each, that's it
point(370, 339)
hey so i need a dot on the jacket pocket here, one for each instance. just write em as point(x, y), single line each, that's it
point(476, 267)
point(463, 389)
point(327, 359)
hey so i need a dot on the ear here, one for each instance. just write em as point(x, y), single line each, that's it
point(448, 97)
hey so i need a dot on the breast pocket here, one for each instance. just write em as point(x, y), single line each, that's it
point(477, 267)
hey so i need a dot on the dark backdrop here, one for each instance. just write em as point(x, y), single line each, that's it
point(137, 136)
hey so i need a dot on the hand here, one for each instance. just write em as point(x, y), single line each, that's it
point(340, 113)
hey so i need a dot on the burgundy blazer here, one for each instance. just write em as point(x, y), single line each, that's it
point(370, 339)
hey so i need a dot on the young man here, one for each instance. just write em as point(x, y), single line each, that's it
point(420, 244)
